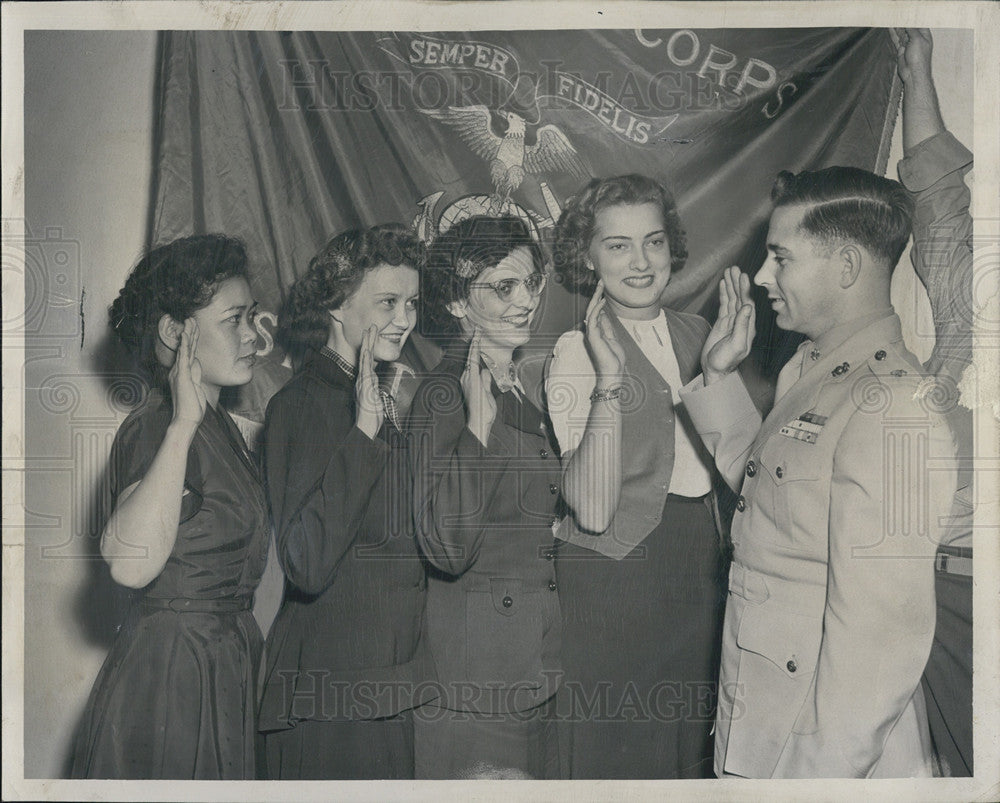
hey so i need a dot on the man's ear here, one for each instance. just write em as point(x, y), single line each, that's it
point(458, 308)
point(168, 330)
point(851, 261)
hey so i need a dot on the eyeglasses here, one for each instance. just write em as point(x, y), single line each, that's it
point(505, 288)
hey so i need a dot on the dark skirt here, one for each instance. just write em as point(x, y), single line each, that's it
point(641, 645)
point(175, 699)
point(344, 751)
point(469, 745)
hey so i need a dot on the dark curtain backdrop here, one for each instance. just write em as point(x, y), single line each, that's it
point(286, 139)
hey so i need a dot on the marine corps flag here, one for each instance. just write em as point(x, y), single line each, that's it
point(285, 139)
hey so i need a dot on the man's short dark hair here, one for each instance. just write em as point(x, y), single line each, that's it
point(847, 203)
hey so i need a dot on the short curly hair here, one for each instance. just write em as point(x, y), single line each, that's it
point(848, 203)
point(175, 279)
point(456, 258)
point(333, 276)
point(575, 229)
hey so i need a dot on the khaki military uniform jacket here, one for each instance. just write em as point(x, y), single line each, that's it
point(830, 613)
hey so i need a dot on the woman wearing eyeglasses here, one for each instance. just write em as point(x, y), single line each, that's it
point(487, 480)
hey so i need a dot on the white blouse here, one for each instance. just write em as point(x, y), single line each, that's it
point(570, 382)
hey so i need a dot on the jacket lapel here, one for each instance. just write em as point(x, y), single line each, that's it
point(520, 414)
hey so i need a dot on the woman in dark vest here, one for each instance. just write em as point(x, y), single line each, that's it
point(344, 664)
point(640, 569)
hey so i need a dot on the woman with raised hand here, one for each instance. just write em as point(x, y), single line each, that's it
point(487, 481)
point(639, 564)
point(176, 696)
point(344, 663)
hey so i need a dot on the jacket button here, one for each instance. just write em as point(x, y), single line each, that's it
point(780, 472)
point(741, 504)
point(751, 468)
point(790, 666)
point(553, 488)
point(549, 554)
point(507, 602)
point(543, 453)
point(552, 585)
point(880, 355)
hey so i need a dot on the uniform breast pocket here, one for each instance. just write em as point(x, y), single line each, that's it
point(791, 471)
point(503, 629)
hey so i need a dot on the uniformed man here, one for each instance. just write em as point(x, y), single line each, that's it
point(830, 613)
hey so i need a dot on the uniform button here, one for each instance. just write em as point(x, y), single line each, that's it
point(741, 504)
point(552, 585)
point(780, 472)
point(549, 555)
point(751, 468)
point(790, 666)
point(543, 453)
point(553, 488)
point(880, 355)
point(507, 602)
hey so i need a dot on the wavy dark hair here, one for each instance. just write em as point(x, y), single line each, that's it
point(848, 203)
point(333, 276)
point(575, 228)
point(175, 279)
point(456, 258)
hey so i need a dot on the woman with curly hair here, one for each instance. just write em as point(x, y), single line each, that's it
point(640, 573)
point(487, 480)
point(176, 695)
point(344, 658)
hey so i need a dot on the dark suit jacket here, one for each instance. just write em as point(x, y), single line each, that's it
point(484, 518)
point(346, 642)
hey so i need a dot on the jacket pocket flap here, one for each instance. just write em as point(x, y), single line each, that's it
point(789, 460)
point(506, 595)
point(789, 641)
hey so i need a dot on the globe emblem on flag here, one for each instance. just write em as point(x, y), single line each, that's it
point(428, 226)
point(471, 205)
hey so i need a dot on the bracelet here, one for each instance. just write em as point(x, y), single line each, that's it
point(606, 394)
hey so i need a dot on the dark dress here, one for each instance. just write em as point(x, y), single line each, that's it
point(344, 664)
point(484, 519)
point(176, 696)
